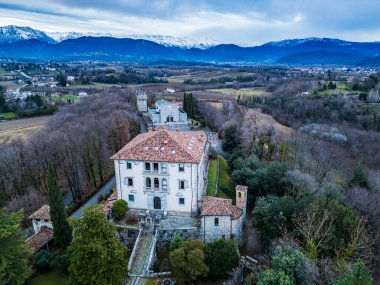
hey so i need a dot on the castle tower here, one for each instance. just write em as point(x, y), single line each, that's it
point(241, 197)
point(142, 101)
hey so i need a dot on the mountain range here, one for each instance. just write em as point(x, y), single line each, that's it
point(27, 43)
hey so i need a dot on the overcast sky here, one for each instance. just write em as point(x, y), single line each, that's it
point(227, 21)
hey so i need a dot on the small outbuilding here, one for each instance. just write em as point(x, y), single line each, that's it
point(221, 218)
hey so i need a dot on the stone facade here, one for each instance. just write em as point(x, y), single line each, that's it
point(219, 218)
point(142, 101)
point(168, 114)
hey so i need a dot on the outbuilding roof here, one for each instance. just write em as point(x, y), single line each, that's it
point(40, 239)
point(164, 145)
point(42, 213)
point(213, 206)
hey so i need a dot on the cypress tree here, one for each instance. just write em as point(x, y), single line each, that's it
point(184, 104)
point(58, 214)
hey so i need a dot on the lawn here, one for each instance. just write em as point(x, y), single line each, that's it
point(225, 183)
point(74, 98)
point(53, 277)
point(8, 116)
point(212, 172)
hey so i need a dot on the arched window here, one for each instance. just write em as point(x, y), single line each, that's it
point(148, 182)
point(164, 183)
point(156, 183)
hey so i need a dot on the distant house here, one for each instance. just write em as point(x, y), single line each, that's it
point(43, 229)
point(169, 90)
point(220, 218)
point(82, 94)
point(70, 78)
point(169, 114)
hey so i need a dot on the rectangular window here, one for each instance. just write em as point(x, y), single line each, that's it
point(239, 194)
point(131, 198)
point(155, 167)
point(164, 167)
point(147, 166)
point(129, 165)
point(216, 222)
point(182, 201)
point(130, 181)
point(182, 184)
point(181, 167)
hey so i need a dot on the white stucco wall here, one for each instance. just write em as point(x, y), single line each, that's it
point(38, 224)
point(143, 197)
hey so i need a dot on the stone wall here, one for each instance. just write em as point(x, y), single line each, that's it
point(165, 236)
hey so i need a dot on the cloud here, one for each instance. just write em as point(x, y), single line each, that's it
point(241, 21)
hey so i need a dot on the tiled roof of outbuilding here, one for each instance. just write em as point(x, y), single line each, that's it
point(213, 206)
point(40, 239)
point(42, 213)
point(164, 145)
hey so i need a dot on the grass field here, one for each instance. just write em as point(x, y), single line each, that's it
point(212, 173)
point(21, 128)
point(242, 92)
point(65, 97)
point(225, 183)
point(8, 116)
point(53, 277)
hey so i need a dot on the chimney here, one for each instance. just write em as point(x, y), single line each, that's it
point(150, 130)
point(241, 197)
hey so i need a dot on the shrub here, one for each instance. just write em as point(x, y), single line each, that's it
point(119, 208)
point(42, 260)
point(175, 243)
point(61, 261)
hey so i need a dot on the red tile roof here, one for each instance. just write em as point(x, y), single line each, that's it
point(213, 206)
point(108, 205)
point(42, 213)
point(40, 239)
point(164, 145)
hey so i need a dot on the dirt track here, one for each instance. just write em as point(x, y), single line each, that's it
point(20, 128)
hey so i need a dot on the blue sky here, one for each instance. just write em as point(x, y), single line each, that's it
point(227, 21)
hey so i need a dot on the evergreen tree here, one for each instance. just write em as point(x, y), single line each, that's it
point(14, 252)
point(359, 274)
point(221, 257)
point(96, 254)
point(359, 179)
point(184, 103)
point(58, 214)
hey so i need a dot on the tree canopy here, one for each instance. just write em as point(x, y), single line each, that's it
point(96, 254)
point(188, 261)
point(14, 252)
point(58, 214)
point(221, 257)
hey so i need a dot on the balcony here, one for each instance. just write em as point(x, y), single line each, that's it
point(156, 189)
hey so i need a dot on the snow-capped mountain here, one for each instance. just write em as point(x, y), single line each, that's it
point(181, 42)
point(295, 42)
point(168, 41)
point(61, 36)
point(11, 34)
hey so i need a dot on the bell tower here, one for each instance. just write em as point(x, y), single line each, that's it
point(142, 101)
point(241, 197)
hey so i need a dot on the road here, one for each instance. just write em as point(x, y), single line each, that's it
point(94, 199)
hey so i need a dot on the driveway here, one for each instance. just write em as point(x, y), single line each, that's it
point(94, 199)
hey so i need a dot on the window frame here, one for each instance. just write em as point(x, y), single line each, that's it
point(181, 199)
point(147, 168)
point(216, 222)
point(180, 184)
point(181, 167)
point(129, 165)
point(129, 198)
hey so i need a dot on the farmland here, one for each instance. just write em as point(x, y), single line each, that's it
point(20, 128)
